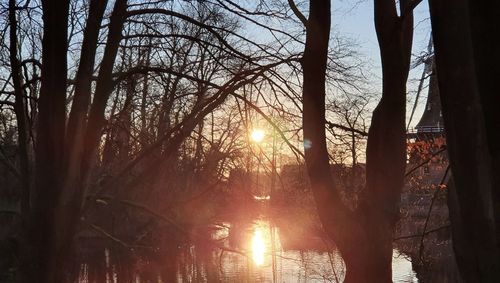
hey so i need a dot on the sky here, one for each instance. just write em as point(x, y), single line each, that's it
point(354, 19)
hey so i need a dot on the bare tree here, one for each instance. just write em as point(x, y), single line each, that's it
point(364, 236)
point(186, 60)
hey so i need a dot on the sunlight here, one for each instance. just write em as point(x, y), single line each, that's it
point(268, 197)
point(257, 135)
point(258, 246)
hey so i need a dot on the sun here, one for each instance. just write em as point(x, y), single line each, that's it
point(257, 135)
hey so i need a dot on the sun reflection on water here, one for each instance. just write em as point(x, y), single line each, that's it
point(258, 246)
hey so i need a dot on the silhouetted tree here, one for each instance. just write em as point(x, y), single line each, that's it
point(363, 236)
point(467, 60)
point(180, 61)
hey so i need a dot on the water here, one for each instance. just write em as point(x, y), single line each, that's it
point(245, 251)
point(269, 261)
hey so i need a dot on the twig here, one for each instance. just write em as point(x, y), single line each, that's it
point(297, 12)
point(167, 220)
point(421, 249)
point(425, 161)
point(332, 125)
point(421, 235)
point(294, 149)
point(113, 238)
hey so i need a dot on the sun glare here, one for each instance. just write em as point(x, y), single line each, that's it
point(258, 247)
point(257, 135)
point(262, 197)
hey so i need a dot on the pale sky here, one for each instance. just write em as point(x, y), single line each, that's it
point(354, 19)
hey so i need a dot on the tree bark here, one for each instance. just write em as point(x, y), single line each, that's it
point(40, 261)
point(78, 115)
point(104, 87)
point(467, 67)
point(82, 146)
point(71, 196)
point(364, 237)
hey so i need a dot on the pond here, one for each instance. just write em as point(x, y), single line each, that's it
point(244, 251)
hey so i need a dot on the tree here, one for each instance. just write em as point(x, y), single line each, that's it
point(467, 62)
point(75, 107)
point(363, 236)
point(349, 134)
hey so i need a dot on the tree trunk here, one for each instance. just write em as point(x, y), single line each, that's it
point(60, 174)
point(70, 199)
point(104, 87)
point(23, 126)
point(467, 62)
point(82, 154)
point(40, 259)
point(83, 88)
point(144, 133)
point(364, 237)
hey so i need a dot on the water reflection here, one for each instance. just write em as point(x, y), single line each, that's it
point(246, 251)
point(258, 246)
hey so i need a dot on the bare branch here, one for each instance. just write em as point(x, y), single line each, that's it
point(332, 125)
point(114, 238)
point(424, 162)
point(438, 189)
point(297, 12)
point(270, 121)
point(421, 235)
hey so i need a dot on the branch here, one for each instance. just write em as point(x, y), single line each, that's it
point(424, 162)
point(270, 121)
point(5, 102)
point(421, 249)
point(113, 238)
point(332, 125)
point(250, 19)
point(192, 21)
point(409, 8)
point(33, 61)
point(165, 219)
point(297, 12)
point(421, 235)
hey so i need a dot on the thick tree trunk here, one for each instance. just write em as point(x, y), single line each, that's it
point(364, 237)
point(467, 62)
point(40, 259)
point(82, 151)
point(370, 260)
point(60, 179)
point(70, 199)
